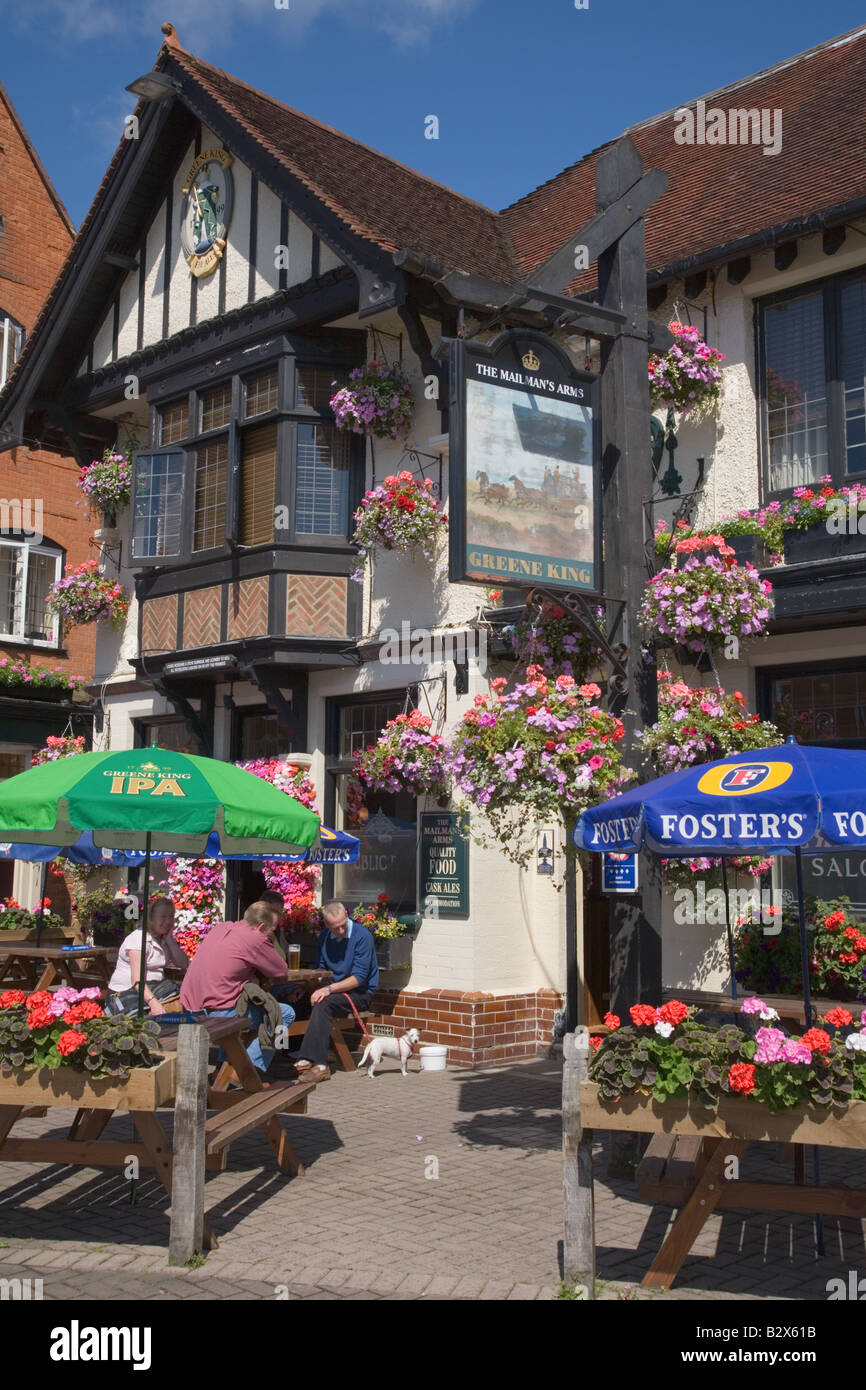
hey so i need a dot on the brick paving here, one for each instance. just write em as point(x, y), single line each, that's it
point(370, 1221)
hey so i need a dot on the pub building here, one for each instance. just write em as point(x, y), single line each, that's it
point(240, 258)
point(42, 530)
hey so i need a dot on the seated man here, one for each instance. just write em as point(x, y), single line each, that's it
point(345, 948)
point(232, 955)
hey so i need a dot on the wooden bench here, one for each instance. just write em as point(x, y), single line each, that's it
point(339, 1026)
point(237, 1117)
point(673, 1165)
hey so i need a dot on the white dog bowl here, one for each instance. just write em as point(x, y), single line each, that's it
point(433, 1057)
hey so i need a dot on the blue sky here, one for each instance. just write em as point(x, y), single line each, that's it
point(521, 88)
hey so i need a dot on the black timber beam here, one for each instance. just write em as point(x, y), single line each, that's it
point(601, 231)
point(694, 285)
point(122, 262)
point(656, 296)
point(832, 240)
point(785, 254)
point(739, 269)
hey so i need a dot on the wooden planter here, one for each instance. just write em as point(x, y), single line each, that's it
point(147, 1088)
point(749, 549)
point(817, 543)
point(737, 1117)
point(33, 934)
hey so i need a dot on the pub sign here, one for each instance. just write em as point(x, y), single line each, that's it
point(524, 471)
point(444, 864)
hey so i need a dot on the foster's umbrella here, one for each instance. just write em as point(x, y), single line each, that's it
point(153, 799)
point(790, 799)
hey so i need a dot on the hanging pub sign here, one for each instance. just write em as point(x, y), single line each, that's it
point(524, 472)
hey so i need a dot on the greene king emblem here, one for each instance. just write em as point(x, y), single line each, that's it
point(206, 211)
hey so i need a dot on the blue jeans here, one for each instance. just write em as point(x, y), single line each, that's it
point(261, 1057)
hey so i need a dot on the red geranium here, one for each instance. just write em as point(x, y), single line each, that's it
point(817, 1040)
point(69, 1042)
point(643, 1015)
point(611, 1021)
point(80, 1013)
point(12, 997)
point(851, 933)
point(848, 957)
point(595, 1043)
point(741, 1077)
point(860, 943)
point(834, 920)
point(840, 1018)
point(40, 1018)
point(39, 1000)
point(673, 1012)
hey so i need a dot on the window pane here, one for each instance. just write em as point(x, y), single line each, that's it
point(386, 825)
point(157, 505)
point(209, 528)
point(361, 725)
point(173, 735)
point(262, 737)
point(261, 393)
point(13, 762)
point(216, 408)
point(10, 588)
point(796, 392)
point(174, 423)
point(322, 486)
point(41, 573)
point(258, 482)
point(854, 373)
point(316, 385)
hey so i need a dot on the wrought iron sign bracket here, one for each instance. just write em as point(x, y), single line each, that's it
point(415, 458)
point(578, 606)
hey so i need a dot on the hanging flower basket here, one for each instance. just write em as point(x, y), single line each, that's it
point(84, 595)
point(557, 643)
point(707, 600)
point(406, 757)
point(688, 376)
point(700, 725)
point(377, 401)
point(106, 483)
point(543, 750)
point(400, 515)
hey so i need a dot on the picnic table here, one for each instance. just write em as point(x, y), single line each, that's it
point(17, 963)
point(147, 1091)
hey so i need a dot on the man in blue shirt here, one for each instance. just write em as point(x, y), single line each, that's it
point(347, 950)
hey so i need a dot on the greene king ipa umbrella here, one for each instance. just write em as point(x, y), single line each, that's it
point(152, 799)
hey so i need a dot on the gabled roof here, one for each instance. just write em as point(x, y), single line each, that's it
point(721, 194)
point(36, 161)
point(377, 198)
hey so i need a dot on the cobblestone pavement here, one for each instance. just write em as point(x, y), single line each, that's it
point(368, 1222)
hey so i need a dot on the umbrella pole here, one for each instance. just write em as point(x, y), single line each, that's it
point(142, 970)
point(804, 950)
point(42, 882)
point(807, 1010)
point(728, 928)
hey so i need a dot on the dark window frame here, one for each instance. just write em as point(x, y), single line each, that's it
point(287, 415)
point(830, 287)
point(766, 675)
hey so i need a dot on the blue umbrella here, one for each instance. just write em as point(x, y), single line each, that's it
point(783, 800)
point(331, 847)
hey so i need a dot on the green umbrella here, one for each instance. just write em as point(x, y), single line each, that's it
point(150, 798)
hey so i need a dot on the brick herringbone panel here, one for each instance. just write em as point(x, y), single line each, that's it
point(159, 624)
point(317, 605)
point(248, 608)
point(201, 617)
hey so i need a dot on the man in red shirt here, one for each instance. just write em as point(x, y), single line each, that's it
point(232, 955)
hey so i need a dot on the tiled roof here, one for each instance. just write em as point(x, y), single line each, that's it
point(376, 197)
point(718, 194)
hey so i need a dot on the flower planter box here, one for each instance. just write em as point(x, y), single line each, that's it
point(146, 1088)
point(33, 934)
point(818, 543)
point(737, 1117)
point(49, 693)
point(749, 550)
point(394, 953)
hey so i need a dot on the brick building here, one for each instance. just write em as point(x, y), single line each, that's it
point(44, 527)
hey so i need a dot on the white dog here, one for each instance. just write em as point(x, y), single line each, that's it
point(401, 1048)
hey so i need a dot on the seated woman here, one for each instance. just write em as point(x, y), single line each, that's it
point(162, 950)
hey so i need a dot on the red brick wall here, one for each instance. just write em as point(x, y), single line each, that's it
point(478, 1029)
point(33, 244)
point(27, 473)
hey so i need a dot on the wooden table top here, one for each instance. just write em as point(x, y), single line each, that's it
point(303, 977)
point(218, 1028)
point(28, 948)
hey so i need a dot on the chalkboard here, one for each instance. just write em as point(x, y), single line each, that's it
point(444, 886)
